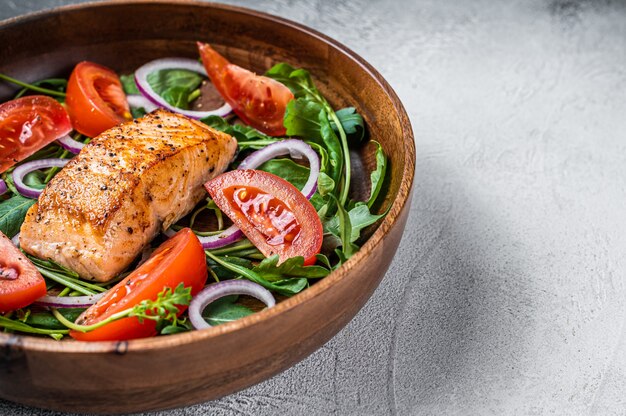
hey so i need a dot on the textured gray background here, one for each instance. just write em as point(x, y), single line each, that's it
point(507, 293)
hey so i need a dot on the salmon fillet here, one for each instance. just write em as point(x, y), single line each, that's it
point(121, 190)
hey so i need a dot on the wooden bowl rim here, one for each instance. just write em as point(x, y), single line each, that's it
point(33, 343)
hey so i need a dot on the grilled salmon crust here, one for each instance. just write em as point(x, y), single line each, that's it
point(121, 190)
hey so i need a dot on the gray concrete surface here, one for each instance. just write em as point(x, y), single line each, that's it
point(507, 295)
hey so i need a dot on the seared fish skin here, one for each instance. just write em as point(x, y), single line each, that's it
point(121, 190)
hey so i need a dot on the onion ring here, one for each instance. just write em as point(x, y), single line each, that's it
point(70, 144)
point(141, 79)
point(22, 170)
point(216, 291)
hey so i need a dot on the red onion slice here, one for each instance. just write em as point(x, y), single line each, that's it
point(3, 187)
point(70, 144)
point(215, 291)
point(69, 301)
point(22, 170)
point(139, 101)
point(141, 79)
point(230, 235)
point(296, 149)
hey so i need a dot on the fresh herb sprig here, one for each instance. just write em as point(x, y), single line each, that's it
point(164, 310)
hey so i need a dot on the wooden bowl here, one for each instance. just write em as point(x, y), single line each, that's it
point(183, 369)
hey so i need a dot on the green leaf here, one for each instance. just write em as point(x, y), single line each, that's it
point(325, 184)
point(129, 85)
point(175, 85)
point(352, 123)
point(287, 287)
point(12, 214)
point(359, 218)
point(225, 310)
point(165, 307)
point(247, 137)
point(309, 120)
point(377, 177)
point(45, 320)
point(341, 226)
point(224, 273)
point(299, 81)
point(138, 112)
point(22, 327)
point(270, 270)
point(35, 179)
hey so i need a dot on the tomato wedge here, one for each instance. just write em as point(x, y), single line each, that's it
point(270, 211)
point(28, 124)
point(95, 99)
point(179, 259)
point(259, 101)
point(20, 282)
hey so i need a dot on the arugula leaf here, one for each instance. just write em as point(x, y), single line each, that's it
point(299, 81)
point(224, 273)
point(287, 287)
point(12, 214)
point(225, 310)
point(325, 184)
point(377, 177)
point(175, 85)
point(293, 267)
point(344, 230)
point(308, 119)
point(352, 123)
point(128, 84)
point(360, 217)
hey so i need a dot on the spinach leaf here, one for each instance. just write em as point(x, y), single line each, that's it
point(352, 123)
point(293, 267)
point(225, 310)
point(12, 214)
point(378, 175)
point(175, 85)
point(129, 85)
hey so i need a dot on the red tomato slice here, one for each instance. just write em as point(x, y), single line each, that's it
point(95, 99)
point(179, 259)
point(270, 211)
point(20, 282)
point(29, 124)
point(259, 101)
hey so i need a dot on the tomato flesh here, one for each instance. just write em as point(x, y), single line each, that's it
point(270, 211)
point(28, 124)
point(270, 216)
point(20, 282)
point(258, 100)
point(179, 259)
point(95, 99)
